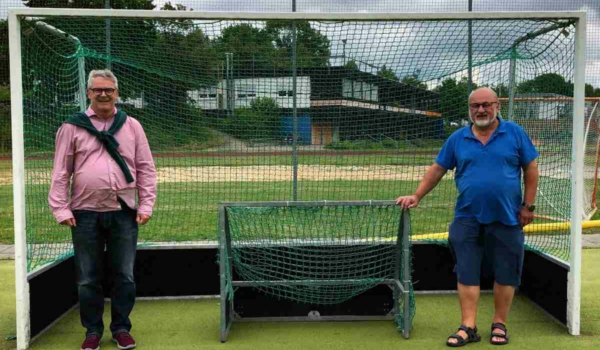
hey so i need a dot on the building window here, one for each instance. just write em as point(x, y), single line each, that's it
point(206, 93)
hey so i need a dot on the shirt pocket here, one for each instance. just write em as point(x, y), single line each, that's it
point(509, 159)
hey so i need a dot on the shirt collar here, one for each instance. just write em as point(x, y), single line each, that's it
point(468, 131)
point(90, 112)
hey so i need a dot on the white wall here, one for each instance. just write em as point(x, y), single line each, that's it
point(246, 90)
point(545, 110)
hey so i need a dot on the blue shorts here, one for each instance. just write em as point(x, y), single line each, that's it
point(495, 249)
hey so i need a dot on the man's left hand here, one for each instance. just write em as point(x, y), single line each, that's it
point(142, 219)
point(525, 217)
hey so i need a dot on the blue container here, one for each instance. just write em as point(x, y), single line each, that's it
point(304, 129)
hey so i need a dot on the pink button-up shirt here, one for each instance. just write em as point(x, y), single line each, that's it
point(97, 180)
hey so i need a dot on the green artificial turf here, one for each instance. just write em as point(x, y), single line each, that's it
point(194, 324)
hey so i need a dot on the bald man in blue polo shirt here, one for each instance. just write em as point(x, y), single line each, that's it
point(486, 234)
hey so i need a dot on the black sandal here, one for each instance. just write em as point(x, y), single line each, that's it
point(472, 337)
point(504, 336)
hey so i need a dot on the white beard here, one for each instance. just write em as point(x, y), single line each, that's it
point(483, 123)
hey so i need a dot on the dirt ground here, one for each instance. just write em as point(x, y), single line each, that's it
point(271, 173)
point(263, 173)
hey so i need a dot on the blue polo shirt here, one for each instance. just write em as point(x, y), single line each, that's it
point(488, 178)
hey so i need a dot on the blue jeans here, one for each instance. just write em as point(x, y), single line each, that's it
point(118, 232)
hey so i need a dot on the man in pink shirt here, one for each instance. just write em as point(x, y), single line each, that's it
point(102, 161)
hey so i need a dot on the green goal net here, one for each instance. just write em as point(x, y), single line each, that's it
point(318, 253)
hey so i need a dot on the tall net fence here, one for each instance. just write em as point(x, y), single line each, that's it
point(343, 110)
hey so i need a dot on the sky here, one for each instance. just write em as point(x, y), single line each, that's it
point(592, 7)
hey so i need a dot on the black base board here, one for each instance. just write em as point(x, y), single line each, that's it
point(51, 294)
point(545, 282)
point(176, 272)
point(195, 272)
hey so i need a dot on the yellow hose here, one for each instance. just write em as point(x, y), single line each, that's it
point(529, 229)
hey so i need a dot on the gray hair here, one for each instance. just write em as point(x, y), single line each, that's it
point(102, 73)
point(484, 88)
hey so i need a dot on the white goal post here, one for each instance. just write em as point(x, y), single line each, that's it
point(15, 15)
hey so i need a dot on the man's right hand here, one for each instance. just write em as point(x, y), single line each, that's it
point(408, 202)
point(69, 222)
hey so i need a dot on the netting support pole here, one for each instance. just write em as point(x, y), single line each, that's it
point(82, 83)
point(402, 273)
point(406, 271)
point(470, 44)
point(512, 71)
point(224, 266)
point(107, 34)
point(591, 122)
point(229, 84)
point(574, 277)
point(295, 111)
point(18, 154)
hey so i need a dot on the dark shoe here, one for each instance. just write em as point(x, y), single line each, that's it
point(91, 342)
point(124, 340)
point(472, 337)
point(504, 336)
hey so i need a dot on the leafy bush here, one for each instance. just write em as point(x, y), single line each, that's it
point(184, 131)
point(259, 122)
point(5, 129)
point(389, 144)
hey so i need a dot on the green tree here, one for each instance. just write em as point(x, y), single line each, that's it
point(590, 91)
point(501, 90)
point(351, 65)
point(414, 80)
point(271, 47)
point(252, 47)
point(546, 83)
point(196, 66)
point(260, 121)
point(265, 105)
point(387, 73)
point(312, 47)
point(93, 4)
point(4, 63)
point(454, 97)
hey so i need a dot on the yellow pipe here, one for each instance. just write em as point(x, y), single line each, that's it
point(530, 229)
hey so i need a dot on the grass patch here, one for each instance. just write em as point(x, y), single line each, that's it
point(7, 304)
point(343, 159)
point(188, 211)
point(6, 215)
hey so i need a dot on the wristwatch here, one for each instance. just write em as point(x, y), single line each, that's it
point(530, 207)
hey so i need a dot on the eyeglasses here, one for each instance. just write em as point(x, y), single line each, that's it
point(99, 91)
point(485, 105)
